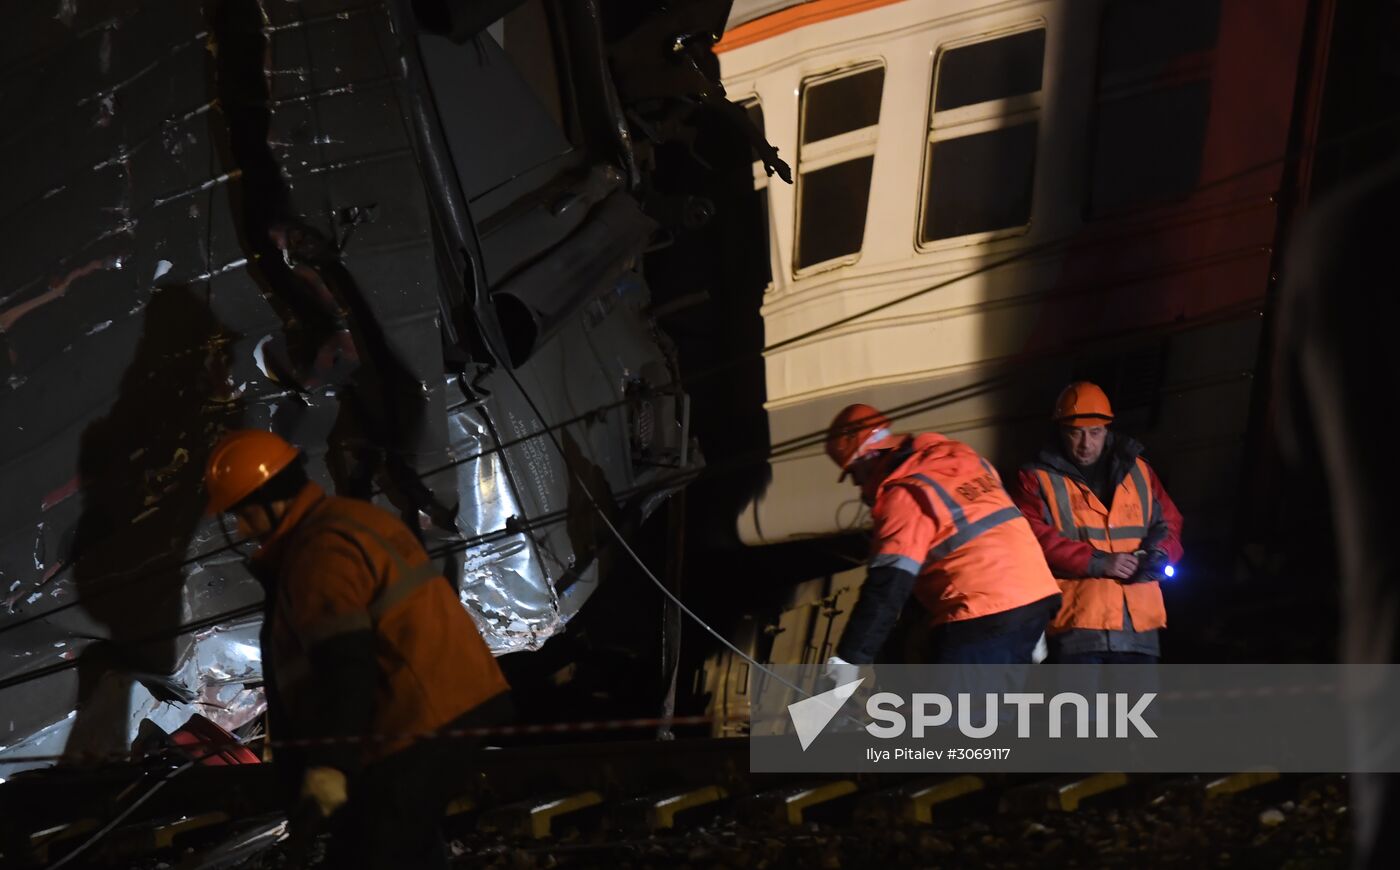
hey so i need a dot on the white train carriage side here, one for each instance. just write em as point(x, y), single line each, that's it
point(992, 198)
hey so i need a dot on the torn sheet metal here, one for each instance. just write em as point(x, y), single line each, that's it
point(220, 674)
point(502, 583)
point(524, 585)
point(219, 219)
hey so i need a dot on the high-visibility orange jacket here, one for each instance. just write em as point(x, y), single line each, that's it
point(362, 634)
point(943, 515)
point(1077, 531)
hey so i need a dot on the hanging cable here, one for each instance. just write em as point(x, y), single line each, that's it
point(791, 446)
point(136, 804)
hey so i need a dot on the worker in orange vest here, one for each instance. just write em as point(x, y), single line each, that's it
point(1109, 531)
point(362, 638)
point(946, 532)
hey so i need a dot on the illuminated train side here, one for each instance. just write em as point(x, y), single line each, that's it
point(1024, 192)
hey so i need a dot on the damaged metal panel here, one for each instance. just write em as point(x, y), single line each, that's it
point(503, 582)
point(526, 583)
point(496, 130)
point(540, 299)
point(589, 365)
point(227, 214)
point(215, 677)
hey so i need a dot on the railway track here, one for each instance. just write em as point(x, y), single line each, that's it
point(693, 802)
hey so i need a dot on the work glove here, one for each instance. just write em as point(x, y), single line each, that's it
point(839, 672)
point(326, 787)
point(1152, 565)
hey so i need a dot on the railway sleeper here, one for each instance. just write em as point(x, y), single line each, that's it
point(1061, 794)
point(536, 818)
point(790, 805)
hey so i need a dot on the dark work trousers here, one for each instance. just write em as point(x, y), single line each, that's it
point(393, 820)
point(995, 649)
point(1006, 638)
point(1089, 679)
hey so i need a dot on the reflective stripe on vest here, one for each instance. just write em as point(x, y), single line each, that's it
point(896, 561)
point(1055, 489)
point(964, 531)
point(1144, 495)
point(1058, 499)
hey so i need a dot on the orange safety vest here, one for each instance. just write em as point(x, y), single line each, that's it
point(1097, 602)
point(346, 565)
point(973, 551)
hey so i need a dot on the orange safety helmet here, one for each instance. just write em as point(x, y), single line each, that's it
point(1083, 404)
point(243, 461)
point(857, 431)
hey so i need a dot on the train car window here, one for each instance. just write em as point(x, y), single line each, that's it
point(754, 109)
point(980, 182)
point(1153, 102)
point(833, 208)
point(840, 117)
point(841, 105)
point(991, 70)
point(979, 163)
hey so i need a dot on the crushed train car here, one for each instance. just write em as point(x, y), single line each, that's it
point(407, 236)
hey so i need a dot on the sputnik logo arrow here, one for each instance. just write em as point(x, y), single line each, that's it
point(812, 715)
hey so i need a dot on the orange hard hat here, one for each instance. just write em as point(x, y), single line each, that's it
point(241, 462)
point(1083, 404)
point(857, 431)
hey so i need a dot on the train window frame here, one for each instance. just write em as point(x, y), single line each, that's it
point(970, 120)
point(762, 182)
point(834, 151)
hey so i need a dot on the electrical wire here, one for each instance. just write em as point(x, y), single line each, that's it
point(1152, 223)
point(113, 584)
point(627, 547)
point(602, 515)
point(136, 804)
point(791, 446)
point(121, 816)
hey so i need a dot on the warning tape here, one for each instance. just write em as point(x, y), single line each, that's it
point(596, 726)
point(586, 727)
point(496, 731)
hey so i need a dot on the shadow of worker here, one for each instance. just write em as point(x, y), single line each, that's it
point(140, 468)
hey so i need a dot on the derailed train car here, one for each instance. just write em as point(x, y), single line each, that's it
point(407, 236)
